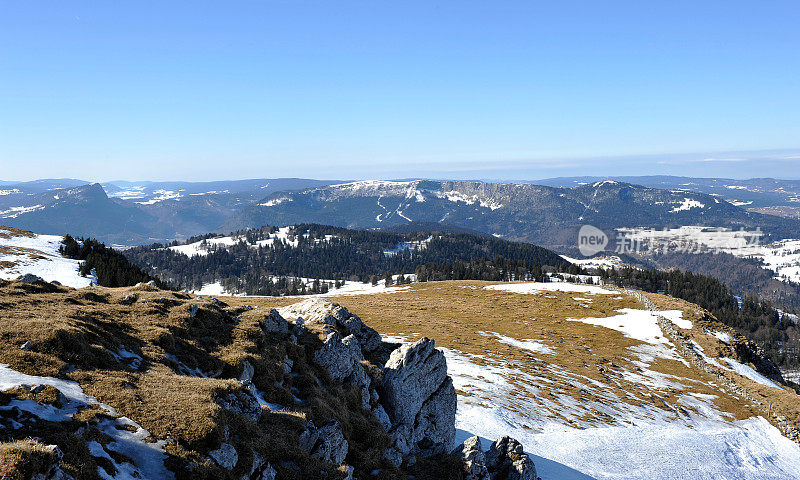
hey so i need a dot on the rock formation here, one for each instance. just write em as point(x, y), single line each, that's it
point(420, 401)
point(505, 460)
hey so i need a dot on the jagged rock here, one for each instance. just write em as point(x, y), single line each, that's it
point(382, 416)
point(225, 456)
point(27, 346)
point(420, 400)
point(242, 402)
point(342, 358)
point(471, 453)
point(247, 372)
point(324, 312)
point(506, 459)
point(193, 308)
point(287, 365)
point(275, 323)
point(261, 470)
point(326, 443)
point(30, 278)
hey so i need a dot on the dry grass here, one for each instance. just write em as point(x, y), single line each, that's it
point(454, 312)
point(8, 232)
point(23, 459)
point(81, 331)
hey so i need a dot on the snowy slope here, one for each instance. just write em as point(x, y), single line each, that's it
point(605, 396)
point(24, 252)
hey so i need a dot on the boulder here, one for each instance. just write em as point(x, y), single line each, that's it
point(326, 313)
point(326, 443)
point(342, 358)
point(30, 278)
point(242, 402)
point(275, 323)
point(420, 401)
point(506, 460)
point(225, 456)
point(261, 470)
point(471, 453)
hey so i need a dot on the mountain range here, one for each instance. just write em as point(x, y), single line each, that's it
point(135, 213)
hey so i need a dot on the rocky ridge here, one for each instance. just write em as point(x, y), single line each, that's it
point(303, 391)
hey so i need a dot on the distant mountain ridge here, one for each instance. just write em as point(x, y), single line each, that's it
point(135, 213)
point(522, 212)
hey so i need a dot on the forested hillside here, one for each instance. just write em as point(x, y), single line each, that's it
point(264, 261)
point(110, 267)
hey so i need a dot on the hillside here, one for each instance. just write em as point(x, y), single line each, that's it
point(148, 384)
point(267, 261)
point(143, 383)
point(543, 215)
point(72, 262)
point(136, 213)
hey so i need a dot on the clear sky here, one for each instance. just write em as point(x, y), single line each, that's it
point(377, 89)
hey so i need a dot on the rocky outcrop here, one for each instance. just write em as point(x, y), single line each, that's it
point(420, 401)
point(275, 323)
point(505, 460)
point(342, 358)
point(242, 402)
point(471, 453)
point(326, 313)
point(326, 443)
point(225, 456)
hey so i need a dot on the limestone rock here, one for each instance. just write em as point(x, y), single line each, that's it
point(261, 470)
point(275, 323)
point(471, 453)
point(342, 358)
point(507, 460)
point(326, 443)
point(30, 278)
point(420, 400)
point(242, 402)
point(225, 456)
point(382, 416)
point(326, 313)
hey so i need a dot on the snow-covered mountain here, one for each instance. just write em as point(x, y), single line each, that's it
point(131, 213)
point(534, 213)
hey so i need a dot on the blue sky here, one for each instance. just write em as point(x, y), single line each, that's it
point(495, 90)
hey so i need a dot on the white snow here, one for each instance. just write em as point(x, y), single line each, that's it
point(38, 255)
point(604, 262)
point(10, 191)
point(750, 373)
point(129, 438)
point(538, 287)
point(676, 317)
point(781, 257)
point(748, 449)
point(688, 204)
point(275, 201)
point(526, 344)
point(639, 324)
point(724, 337)
point(160, 196)
point(640, 442)
point(456, 196)
point(15, 212)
